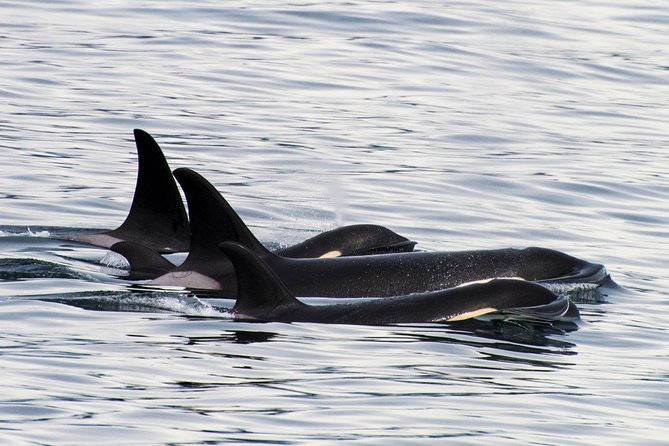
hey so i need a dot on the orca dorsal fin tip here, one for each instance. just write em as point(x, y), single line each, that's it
point(212, 219)
point(156, 204)
point(139, 133)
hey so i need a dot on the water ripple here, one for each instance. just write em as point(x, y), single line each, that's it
point(467, 125)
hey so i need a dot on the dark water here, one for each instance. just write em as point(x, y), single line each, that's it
point(459, 125)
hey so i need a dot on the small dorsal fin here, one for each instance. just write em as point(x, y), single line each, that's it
point(157, 216)
point(145, 263)
point(259, 289)
point(212, 221)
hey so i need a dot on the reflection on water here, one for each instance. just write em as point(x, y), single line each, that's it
point(236, 336)
point(466, 126)
point(523, 336)
point(174, 359)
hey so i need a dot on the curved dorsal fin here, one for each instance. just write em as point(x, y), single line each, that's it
point(145, 263)
point(259, 289)
point(157, 216)
point(212, 221)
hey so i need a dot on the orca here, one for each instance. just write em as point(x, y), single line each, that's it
point(207, 268)
point(158, 220)
point(262, 296)
point(157, 216)
point(145, 263)
point(352, 240)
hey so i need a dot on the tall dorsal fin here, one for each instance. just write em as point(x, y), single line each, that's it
point(212, 221)
point(145, 263)
point(157, 216)
point(259, 289)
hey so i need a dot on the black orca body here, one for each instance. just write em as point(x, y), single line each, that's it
point(361, 276)
point(157, 216)
point(352, 240)
point(158, 220)
point(262, 296)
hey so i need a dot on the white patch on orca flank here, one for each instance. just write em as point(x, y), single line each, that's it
point(330, 255)
point(188, 279)
point(102, 240)
point(472, 314)
point(488, 280)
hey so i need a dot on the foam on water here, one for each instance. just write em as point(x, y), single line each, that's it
point(115, 262)
point(186, 305)
point(27, 233)
point(578, 292)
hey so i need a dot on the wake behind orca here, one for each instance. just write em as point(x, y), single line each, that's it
point(262, 296)
point(157, 220)
point(362, 276)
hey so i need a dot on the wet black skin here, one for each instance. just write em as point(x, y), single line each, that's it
point(360, 276)
point(157, 220)
point(262, 296)
point(157, 216)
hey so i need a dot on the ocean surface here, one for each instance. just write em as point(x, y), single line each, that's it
point(461, 125)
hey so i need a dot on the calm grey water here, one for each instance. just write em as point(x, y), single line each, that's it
point(459, 124)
